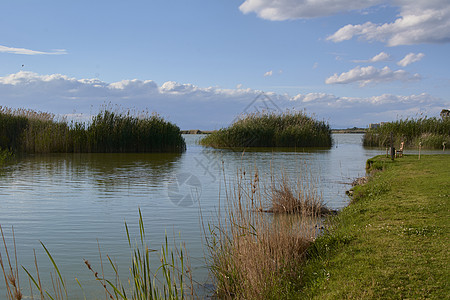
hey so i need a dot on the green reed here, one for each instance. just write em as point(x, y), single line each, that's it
point(430, 132)
point(28, 131)
point(169, 277)
point(289, 129)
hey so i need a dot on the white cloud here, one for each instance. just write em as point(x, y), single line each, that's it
point(418, 22)
point(344, 112)
point(370, 74)
point(301, 9)
point(268, 73)
point(384, 99)
point(382, 56)
point(24, 51)
point(410, 58)
point(190, 106)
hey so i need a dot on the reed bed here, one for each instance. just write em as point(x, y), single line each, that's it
point(289, 129)
point(28, 131)
point(255, 255)
point(432, 133)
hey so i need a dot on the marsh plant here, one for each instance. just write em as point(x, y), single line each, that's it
point(432, 133)
point(256, 255)
point(5, 155)
point(299, 197)
point(288, 129)
point(168, 277)
point(28, 131)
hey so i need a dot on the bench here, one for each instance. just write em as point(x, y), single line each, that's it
point(399, 152)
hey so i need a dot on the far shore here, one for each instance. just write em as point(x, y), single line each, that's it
point(348, 130)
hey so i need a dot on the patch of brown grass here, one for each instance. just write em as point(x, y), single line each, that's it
point(302, 197)
point(255, 255)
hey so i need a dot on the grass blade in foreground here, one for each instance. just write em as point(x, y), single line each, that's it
point(143, 283)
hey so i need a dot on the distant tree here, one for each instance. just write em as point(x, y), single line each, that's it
point(445, 113)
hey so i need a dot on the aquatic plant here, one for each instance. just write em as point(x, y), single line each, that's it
point(174, 282)
point(289, 129)
point(431, 132)
point(169, 278)
point(5, 155)
point(301, 197)
point(255, 255)
point(29, 131)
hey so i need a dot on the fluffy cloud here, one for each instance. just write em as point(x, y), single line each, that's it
point(24, 51)
point(418, 22)
point(360, 111)
point(268, 73)
point(375, 101)
point(301, 9)
point(382, 56)
point(191, 107)
point(410, 58)
point(370, 74)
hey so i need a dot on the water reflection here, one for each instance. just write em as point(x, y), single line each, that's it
point(70, 201)
point(103, 171)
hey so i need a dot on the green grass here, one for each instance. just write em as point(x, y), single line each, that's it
point(27, 131)
point(290, 129)
point(430, 132)
point(392, 241)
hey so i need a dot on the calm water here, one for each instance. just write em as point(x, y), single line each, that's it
point(72, 202)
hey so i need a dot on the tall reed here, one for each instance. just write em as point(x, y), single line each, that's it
point(431, 132)
point(29, 131)
point(173, 282)
point(10, 269)
point(255, 255)
point(169, 277)
point(289, 129)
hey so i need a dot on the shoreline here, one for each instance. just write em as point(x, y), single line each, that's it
point(389, 242)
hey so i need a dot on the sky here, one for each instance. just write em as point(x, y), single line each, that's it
point(202, 63)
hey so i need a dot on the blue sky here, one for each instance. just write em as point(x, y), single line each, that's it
point(200, 63)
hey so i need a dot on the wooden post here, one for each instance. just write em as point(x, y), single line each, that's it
point(392, 146)
point(420, 147)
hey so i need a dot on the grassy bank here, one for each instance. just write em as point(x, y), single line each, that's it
point(392, 241)
point(27, 131)
point(430, 132)
point(290, 129)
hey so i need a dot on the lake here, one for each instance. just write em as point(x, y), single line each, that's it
point(75, 202)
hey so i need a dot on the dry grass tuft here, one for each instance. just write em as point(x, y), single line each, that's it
point(301, 197)
point(10, 270)
point(255, 255)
